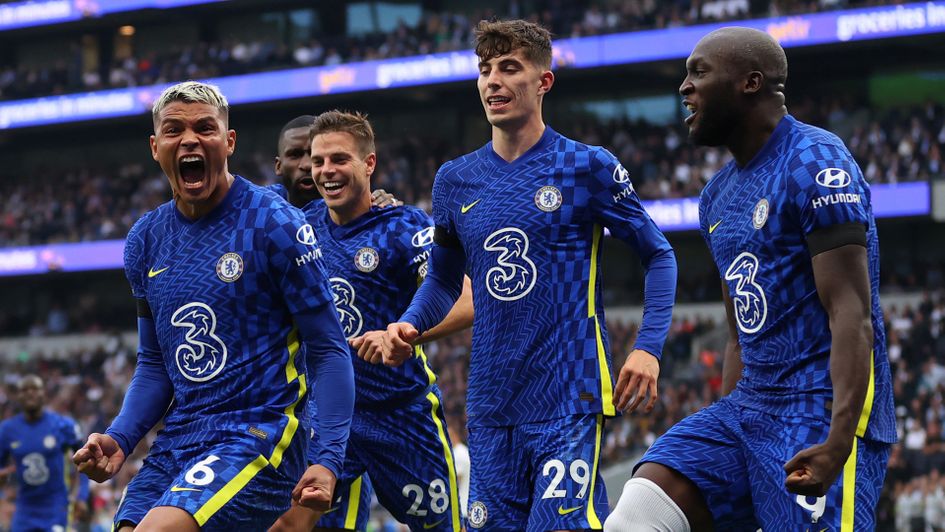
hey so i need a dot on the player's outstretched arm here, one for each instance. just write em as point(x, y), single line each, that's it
point(459, 318)
point(732, 362)
point(328, 356)
point(147, 399)
point(432, 302)
point(842, 278)
point(100, 458)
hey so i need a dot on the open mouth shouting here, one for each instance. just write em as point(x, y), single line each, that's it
point(193, 172)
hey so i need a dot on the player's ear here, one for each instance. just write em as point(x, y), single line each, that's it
point(278, 166)
point(230, 142)
point(753, 82)
point(371, 162)
point(153, 141)
point(547, 79)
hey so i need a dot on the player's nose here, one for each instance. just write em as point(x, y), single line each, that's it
point(686, 88)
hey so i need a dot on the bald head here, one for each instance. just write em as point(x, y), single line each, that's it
point(745, 50)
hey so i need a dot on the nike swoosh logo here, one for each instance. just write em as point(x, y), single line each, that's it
point(465, 208)
point(178, 488)
point(565, 511)
point(713, 226)
point(154, 273)
point(427, 526)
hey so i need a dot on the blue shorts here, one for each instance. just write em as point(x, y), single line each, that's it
point(407, 454)
point(352, 506)
point(225, 485)
point(735, 456)
point(49, 516)
point(537, 476)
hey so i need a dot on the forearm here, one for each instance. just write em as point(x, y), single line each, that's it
point(658, 295)
point(148, 395)
point(731, 366)
point(333, 382)
point(439, 291)
point(459, 318)
point(850, 365)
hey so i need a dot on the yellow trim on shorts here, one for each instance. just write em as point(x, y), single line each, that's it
point(229, 490)
point(847, 506)
point(592, 518)
point(606, 382)
point(448, 455)
point(354, 501)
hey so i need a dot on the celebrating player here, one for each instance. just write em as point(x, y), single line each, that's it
point(525, 214)
point(376, 258)
point(294, 166)
point(801, 442)
point(36, 439)
point(233, 304)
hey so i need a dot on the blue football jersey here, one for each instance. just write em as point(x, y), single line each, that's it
point(222, 290)
point(531, 231)
point(755, 221)
point(42, 452)
point(375, 264)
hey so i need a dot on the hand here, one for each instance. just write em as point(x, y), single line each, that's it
point(315, 488)
point(637, 378)
point(6, 472)
point(100, 458)
point(400, 337)
point(371, 346)
point(813, 470)
point(382, 198)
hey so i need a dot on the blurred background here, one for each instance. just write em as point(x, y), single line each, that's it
point(77, 78)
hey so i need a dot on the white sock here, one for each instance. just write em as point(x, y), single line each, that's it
point(645, 507)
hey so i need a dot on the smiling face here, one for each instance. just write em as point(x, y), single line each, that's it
point(511, 88)
point(342, 174)
point(294, 166)
point(192, 144)
point(711, 94)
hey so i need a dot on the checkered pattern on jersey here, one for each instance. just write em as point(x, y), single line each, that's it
point(222, 291)
point(374, 264)
point(527, 229)
point(760, 216)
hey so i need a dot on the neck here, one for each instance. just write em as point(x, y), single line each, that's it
point(511, 143)
point(343, 216)
point(194, 211)
point(33, 415)
point(754, 131)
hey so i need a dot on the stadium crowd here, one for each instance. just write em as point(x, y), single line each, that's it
point(433, 32)
point(89, 386)
point(95, 203)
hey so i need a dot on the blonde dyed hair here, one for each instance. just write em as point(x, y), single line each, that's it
point(192, 92)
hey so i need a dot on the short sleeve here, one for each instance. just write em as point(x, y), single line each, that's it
point(415, 241)
point(827, 188)
point(135, 258)
point(72, 437)
point(616, 206)
point(295, 260)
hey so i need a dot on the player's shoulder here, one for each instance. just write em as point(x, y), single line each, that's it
point(456, 168)
point(587, 158)
point(279, 189)
point(270, 206)
point(713, 183)
point(809, 143)
point(410, 215)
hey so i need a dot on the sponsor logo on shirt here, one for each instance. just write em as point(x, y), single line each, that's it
point(306, 235)
point(422, 238)
point(833, 199)
point(833, 178)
